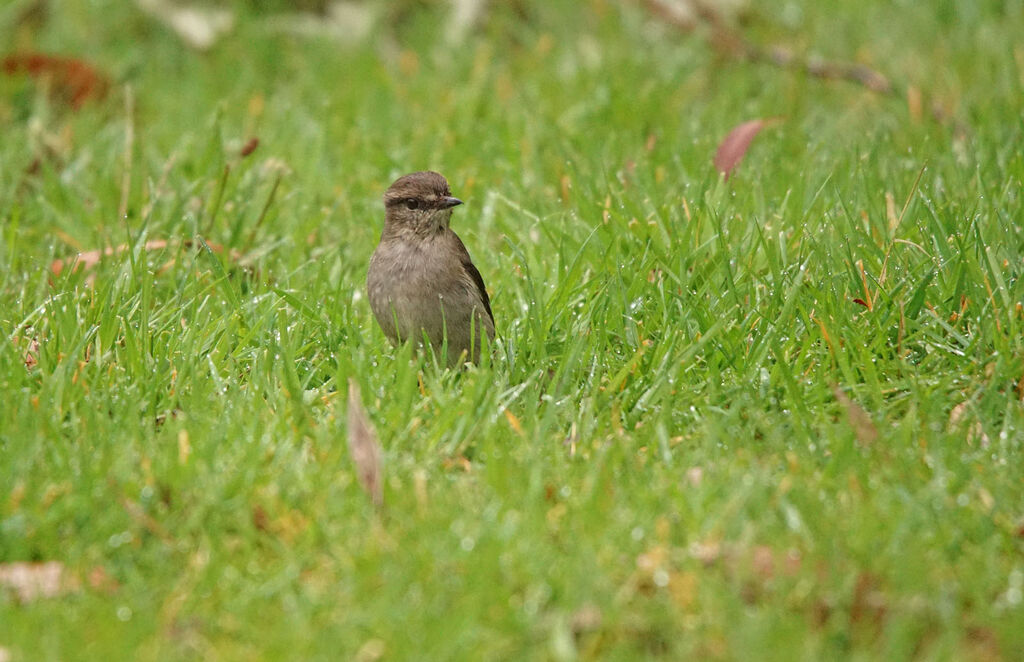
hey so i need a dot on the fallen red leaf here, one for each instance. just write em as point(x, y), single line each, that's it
point(249, 147)
point(74, 80)
point(89, 259)
point(735, 145)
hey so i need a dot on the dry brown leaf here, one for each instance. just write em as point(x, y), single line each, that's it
point(513, 422)
point(868, 300)
point(72, 80)
point(147, 521)
point(371, 651)
point(683, 588)
point(763, 561)
point(975, 431)
point(586, 619)
point(249, 147)
point(89, 259)
point(260, 519)
point(863, 427)
point(682, 16)
point(31, 581)
point(890, 212)
point(419, 482)
point(707, 552)
point(363, 446)
point(31, 355)
point(957, 414)
point(341, 20)
point(735, 145)
point(460, 462)
point(982, 644)
point(915, 103)
point(184, 447)
point(100, 580)
point(565, 187)
point(767, 562)
point(198, 26)
point(868, 605)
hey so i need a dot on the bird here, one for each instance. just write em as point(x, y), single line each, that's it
point(422, 284)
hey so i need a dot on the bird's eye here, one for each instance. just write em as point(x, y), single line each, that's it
point(412, 203)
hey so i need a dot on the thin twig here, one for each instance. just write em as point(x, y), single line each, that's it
point(728, 40)
point(263, 212)
point(218, 196)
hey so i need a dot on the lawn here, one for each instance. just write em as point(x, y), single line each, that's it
point(771, 417)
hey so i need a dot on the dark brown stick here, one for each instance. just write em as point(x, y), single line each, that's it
point(728, 40)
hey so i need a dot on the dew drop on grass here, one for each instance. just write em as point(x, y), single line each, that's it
point(637, 533)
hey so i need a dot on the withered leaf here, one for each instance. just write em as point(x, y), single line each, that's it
point(31, 581)
point(31, 350)
point(198, 26)
point(73, 80)
point(249, 147)
point(863, 427)
point(363, 446)
point(89, 259)
point(735, 145)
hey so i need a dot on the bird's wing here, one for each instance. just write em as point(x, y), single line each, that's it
point(474, 275)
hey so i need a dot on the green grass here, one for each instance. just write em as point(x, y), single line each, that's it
point(658, 466)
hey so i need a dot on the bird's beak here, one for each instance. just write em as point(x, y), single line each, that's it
point(449, 202)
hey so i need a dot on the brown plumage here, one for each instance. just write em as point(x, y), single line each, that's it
point(421, 280)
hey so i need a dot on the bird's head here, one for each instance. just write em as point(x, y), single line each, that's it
point(420, 202)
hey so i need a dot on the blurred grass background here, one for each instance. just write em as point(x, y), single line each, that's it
point(655, 465)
